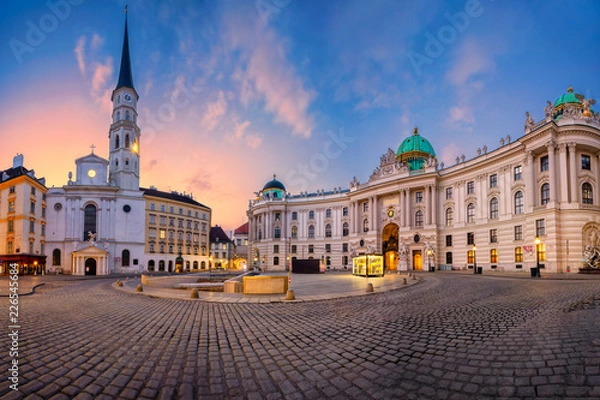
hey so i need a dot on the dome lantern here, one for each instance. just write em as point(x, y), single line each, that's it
point(414, 151)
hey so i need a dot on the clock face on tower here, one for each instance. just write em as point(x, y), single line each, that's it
point(91, 173)
point(127, 97)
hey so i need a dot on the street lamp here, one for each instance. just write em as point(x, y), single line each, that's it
point(210, 260)
point(537, 257)
point(474, 259)
point(429, 253)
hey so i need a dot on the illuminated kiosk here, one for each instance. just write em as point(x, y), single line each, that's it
point(371, 263)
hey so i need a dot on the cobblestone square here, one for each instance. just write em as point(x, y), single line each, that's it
point(452, 336)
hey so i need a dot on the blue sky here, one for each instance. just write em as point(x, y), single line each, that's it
point(232, 92)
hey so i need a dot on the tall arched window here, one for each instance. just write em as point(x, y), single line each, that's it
point(117, 141)
point(125, 258)
point(294, 232)
point(328, 230)
point(449, 217)
point(345, 229)
point(127, 140)
point(311, 231)
point(151, 265)
point(519, 202)
point(56, 257)
point(545, 193)
point(366, 225)
point(127, 116)
point(259, 234)
point(277, 232)
point(587, 196)
point(118, 115)
point(89, 221)
point(471, 213)
point(419, 218)
point(494, 208)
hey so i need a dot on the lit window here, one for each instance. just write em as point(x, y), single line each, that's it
point(518, 254)
point(449, 217)
point(494, 256)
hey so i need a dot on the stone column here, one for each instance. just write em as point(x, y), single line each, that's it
point(530, 173)
point(434, 204)
point(573, 173)
point(402, 208)
point(552, 167)
point(562, 164)
point(427, 219)
point(459, 203)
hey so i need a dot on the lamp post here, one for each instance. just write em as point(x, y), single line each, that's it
point(474, 259)
point(537, 257)
point(429, 260)
point(210, 260)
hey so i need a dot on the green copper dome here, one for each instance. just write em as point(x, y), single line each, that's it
point(569, 97)
point(414, 151)
point(274, 188)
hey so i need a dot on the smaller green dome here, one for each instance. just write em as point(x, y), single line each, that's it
point(568, 97)
point(273, 188)
point(414, 151)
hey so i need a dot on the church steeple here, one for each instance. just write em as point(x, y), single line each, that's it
point(124, 134)
point(125, 75)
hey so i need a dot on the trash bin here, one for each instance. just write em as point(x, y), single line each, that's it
point(534, 272)
point(479, 270)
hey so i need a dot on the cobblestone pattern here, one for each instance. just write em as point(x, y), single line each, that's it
point(451, 337)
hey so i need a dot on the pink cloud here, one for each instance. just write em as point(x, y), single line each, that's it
point(268, 74)
point(213, 112)
point(80, 54)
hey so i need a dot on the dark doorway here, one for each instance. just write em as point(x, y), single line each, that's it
point(90, 266)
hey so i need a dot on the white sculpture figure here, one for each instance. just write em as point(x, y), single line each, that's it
point(549, 111)
point(529, 122)
point(92, 237)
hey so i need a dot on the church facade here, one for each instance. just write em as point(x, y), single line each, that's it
point(102, 222)
point(526, 204)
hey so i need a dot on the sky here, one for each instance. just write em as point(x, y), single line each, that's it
point(233, 92)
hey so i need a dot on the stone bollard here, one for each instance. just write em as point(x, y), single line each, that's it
point(404, 281)
point(369, 287)
point(119, 283)
point(194, 294)
point(414, 277)
point(139, 288)
point(290, 295)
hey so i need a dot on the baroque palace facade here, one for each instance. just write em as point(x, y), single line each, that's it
point(530, 201)
point(102, 221)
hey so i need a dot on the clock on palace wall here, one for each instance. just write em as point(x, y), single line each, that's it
point(126, 208)
point(127, 97)
point(91, 173)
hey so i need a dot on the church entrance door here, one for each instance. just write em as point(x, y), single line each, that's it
point(90, 266)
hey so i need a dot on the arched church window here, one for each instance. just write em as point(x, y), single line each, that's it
point(311, 232)
point(127, 161)
point(56, 257)
point(127, 116)
point(89, 221)
point(125, 258)
point(118, 115)
point(545, 191)
point(127, 141)
point(116, 162)
point(117, 142)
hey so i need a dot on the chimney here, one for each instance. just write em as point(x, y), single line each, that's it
point(18, 161)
